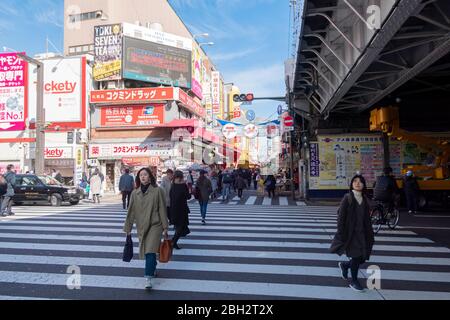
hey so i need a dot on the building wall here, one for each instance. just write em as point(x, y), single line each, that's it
point(117, 11)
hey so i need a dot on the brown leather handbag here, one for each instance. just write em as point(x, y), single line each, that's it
point(165, 250)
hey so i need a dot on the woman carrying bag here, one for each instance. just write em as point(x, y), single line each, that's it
point(354, 235)
point(179, 211)
point(148, 210)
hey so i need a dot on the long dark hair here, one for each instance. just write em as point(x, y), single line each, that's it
point(363, 181)
point(152, 178)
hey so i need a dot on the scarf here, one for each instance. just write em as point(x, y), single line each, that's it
point(144, 188)
point(358, 195)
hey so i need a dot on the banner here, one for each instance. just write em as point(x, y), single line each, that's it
point(63, 85)
point(108, 52)
point(157, 63)
point(197, 71)
point(124, 116)
point(251, 131)
point(13, 102)
point(120, 150)
point(215, 91)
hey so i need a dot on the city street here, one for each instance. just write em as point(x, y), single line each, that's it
point(243, 252)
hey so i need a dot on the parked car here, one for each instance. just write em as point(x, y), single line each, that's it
point(33, 188)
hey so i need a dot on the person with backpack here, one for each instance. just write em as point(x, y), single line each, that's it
point(354, 236)
point(203, 190)
point(271, 184)
point(386, 189)
point(227, 180)
point(10, 179)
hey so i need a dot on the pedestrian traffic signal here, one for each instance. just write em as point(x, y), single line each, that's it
point(69, 137)
point(249, 97)
point(79, 140)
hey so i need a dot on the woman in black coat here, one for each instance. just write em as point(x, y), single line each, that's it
point(179, 210)
point(354, 235)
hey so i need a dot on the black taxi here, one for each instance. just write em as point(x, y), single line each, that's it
point(33, 188)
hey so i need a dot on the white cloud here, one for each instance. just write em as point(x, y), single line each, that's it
point(220, 57)
point(50, 17)
point(263, 82)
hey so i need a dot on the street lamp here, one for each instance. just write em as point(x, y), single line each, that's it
point(40, 114)
point(206, 44)
point(201, 35)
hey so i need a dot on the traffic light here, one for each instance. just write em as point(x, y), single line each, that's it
point(79, 140)
point(69, 137)
point(249, 97)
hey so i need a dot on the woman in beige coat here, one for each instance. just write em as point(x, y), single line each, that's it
point(148, 210)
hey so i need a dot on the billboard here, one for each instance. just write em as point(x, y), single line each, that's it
point(124, 116)
point(13, 95)
point(197, 71)
point(108, 52)
point(157, 63)
point(63, 90)
point(215, 92)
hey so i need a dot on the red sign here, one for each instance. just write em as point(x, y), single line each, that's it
point(124, 116)
point(132, 95)
point(191, 104)
point(134, 162)
point(236, 114)
point(289, 121)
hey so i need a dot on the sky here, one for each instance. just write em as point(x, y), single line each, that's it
point(250, 38)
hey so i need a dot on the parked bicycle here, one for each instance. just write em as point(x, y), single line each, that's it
point(384, 214)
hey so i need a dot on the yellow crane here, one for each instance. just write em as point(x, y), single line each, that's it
point(434, 179)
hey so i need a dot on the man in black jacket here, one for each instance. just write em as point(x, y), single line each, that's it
point(126, 187)
point(386, 189)
point(411, 188)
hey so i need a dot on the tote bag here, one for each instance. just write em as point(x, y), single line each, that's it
point(165, 251)
point(128, 250)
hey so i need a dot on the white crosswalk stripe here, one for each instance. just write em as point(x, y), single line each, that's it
point(263, 251)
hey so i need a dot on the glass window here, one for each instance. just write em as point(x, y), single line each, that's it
point(79, 49)
point(29, 181)
point(85, 48)
point(71, 50)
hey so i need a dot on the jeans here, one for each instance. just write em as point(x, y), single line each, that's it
point(255, 184)
point(203, 208)
point(150, 264)
point(126, 195)
point(6, 204)
point(353, 265)
point(226, 191)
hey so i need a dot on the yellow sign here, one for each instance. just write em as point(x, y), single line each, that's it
point(105, 70)
point(79, 157)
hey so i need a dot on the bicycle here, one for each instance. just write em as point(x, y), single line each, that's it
point(384, 214)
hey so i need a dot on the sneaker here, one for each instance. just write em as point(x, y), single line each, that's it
point(11, 214)
point(176, 246)
point(148, 283)
point(155, 274)
point(344, 270)
point(203, 222)
point(410, 212)
point(355, 285)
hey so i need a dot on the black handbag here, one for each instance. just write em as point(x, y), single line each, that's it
point(128, 250)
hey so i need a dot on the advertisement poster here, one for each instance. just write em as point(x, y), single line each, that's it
point(146, 115)
point(215, 92)
point(157, 63)
point(63, 86)
point(334, 160)
point(108, 52)
point(197, 71)
point(13, 79)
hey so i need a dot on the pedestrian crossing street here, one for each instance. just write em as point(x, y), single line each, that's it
point(252, 200)
point(243, 252)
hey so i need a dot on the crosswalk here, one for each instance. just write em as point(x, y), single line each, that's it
point(252, 200)
point(243, 252)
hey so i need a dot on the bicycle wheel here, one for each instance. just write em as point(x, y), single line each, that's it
point(376, 216)
point(393, 219)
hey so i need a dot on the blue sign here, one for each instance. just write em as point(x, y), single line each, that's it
point(251, 115)
point(149, 110)
point(280, 110)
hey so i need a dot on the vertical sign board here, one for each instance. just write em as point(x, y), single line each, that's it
point(108, 52)
point(78, 164)
point(13, 93)
point(215, 91)
point(197, 71)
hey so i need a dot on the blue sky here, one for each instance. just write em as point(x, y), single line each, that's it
point(250, 36)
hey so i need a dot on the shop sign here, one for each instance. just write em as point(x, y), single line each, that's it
point(119, 151)
point(145, 161)
point(57, 153)
point(124, 116)
point(215, 92)
point(229, 131)
point(251, 131)
point(132, 95)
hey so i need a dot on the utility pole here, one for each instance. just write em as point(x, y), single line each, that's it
point(292, 113)
point(40, 114)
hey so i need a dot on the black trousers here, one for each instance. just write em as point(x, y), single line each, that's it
point(126, 196)
point(240, 193)
point(411, 200)
point(271, 191)
point(354, 265)
point(255, 184)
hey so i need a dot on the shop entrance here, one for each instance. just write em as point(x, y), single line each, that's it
point(110, 177)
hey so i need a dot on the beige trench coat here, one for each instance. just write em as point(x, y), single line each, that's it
point(148, 211)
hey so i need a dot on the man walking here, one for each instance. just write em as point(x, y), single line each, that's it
point(126, 187)
point(166, 185)
point(10, 177)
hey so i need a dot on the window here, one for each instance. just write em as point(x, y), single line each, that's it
point(85, 48)
point(79, 49)
point(29, 182)
point(85, 16)
point(71, 50)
